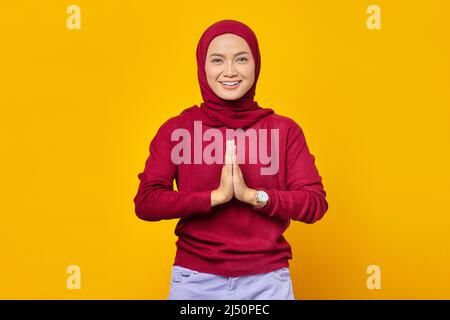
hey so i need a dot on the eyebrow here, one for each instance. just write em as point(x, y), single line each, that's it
point(235, 55)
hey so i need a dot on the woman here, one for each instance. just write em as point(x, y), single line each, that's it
point(233, 208)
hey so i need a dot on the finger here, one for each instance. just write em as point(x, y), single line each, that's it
point(227, 152)
point(236, 167)
point(224, 170)
point(234, 160)
point(229, 158)
point(233, 148)
point(232, 155)
point(239, 171)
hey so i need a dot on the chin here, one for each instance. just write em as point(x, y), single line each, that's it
point(233, 96)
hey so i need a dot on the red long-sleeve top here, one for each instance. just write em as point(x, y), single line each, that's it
point(234, 238)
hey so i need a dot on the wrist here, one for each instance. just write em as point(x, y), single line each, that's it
point(250, 196)
point(217, 198)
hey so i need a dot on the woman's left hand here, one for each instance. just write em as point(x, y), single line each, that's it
point(241, 191)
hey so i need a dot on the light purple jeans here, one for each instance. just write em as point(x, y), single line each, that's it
point(188, 284)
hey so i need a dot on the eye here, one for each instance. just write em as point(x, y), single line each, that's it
point(216, 60)
point(243, 59)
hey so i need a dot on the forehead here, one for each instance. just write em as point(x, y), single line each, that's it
point(228, 43)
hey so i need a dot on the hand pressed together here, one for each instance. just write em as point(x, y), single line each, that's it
point(232, 181)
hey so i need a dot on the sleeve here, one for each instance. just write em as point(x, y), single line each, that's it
point(155, 199)
point(305, 198)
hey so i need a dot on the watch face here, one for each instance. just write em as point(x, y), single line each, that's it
point(263, 196)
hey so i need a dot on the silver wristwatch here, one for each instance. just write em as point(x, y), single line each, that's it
point(261, 198)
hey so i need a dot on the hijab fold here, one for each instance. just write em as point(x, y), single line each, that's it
point(240, 113)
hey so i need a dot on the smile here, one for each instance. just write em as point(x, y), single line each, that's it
point(230, 84)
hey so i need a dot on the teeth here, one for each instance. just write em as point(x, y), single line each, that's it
point(230, 83)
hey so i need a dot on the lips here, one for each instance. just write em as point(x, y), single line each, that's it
point(230, 84)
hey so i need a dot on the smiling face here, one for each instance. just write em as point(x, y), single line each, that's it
point(229, 66)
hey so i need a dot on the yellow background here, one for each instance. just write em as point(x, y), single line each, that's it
point(80, 107)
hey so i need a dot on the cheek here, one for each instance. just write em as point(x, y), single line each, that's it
point(210, 78)
point(211, 71)
point(248, 71)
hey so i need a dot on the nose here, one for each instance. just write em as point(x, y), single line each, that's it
point(230, 71)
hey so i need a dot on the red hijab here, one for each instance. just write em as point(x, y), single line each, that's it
point(240, 113)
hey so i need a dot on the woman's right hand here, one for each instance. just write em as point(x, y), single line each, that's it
point(224, 193)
